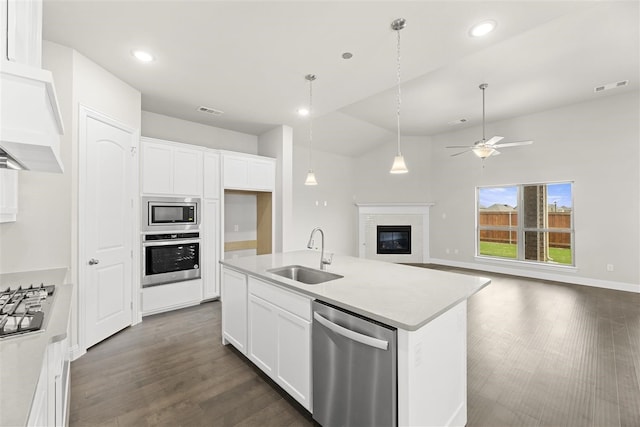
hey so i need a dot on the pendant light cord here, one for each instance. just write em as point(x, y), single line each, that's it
point(310, 117)
point(483, 138)
point(399, 97)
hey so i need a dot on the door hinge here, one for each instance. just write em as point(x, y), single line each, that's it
point(132, 253)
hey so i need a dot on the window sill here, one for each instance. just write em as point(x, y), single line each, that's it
point(527, 264)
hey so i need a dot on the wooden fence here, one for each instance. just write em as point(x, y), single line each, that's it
point(510, 218)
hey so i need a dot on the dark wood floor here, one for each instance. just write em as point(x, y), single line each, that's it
point(539, 354)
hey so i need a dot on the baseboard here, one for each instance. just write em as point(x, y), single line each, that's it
point(459, 417)
point(576, 280)
point(169, 308)
point(76, 352)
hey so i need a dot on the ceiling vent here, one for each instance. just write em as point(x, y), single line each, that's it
point(611, 86)
point(208, 110)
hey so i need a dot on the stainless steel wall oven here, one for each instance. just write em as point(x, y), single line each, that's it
point(170, 257)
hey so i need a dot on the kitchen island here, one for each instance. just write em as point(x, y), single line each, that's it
point(428, 308)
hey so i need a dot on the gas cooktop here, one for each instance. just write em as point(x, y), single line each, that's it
point(23, 310)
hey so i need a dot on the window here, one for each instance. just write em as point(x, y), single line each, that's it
point(527, 222)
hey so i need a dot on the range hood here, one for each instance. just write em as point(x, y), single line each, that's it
point(30, 120)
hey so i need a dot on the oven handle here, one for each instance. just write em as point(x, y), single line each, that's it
point(170, 242)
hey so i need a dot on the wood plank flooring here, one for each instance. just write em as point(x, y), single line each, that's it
point(539, 354)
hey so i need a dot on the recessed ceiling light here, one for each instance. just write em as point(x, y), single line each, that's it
point(303, 111)
point(483, 28)
point(142, 56)
point(347, 55)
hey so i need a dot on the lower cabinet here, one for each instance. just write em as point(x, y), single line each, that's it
point(277, 330)
point(51, 400)
point(234, 309)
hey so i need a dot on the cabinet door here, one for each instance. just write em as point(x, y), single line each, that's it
point(211, 174)
point(235, 172)
point(22, 24)
point(234, 309)
point(263, 319)
point(187, 172)
point(209, 255)
point(294, 357)
point(8, 195)
point(262, 175)
point(157, 167)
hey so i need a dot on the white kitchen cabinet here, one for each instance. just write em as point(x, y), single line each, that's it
point(170, 168)
point(211, 172)
point(280, 337)
point(22, 25)
point(8, 195)
point(210, 246)
point(247, 172)
point(49, 407)
point(234, 309)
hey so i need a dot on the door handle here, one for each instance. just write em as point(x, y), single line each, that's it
point(352, 335)
point(94, 261)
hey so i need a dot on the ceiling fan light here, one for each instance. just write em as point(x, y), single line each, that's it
point(483, 152)
point(399, 165)
point(311, 178)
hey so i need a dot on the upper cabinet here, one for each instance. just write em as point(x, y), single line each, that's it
point(30, 129)
point(170, 168)
point(247, 172)
point(8, 195)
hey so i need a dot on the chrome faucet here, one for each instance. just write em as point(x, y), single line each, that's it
point(323, 261)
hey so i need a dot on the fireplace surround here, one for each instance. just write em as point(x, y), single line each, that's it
point(415, 215)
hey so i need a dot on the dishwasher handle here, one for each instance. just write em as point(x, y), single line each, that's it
point(352, 335)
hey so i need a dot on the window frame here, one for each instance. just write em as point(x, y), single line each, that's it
point(520, 228)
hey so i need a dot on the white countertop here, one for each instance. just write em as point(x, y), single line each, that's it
point(21, 357)
point(398, 295)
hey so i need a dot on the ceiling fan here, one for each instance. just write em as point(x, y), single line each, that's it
point(487, 147)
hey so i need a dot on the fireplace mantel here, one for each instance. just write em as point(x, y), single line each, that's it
point(370, 213)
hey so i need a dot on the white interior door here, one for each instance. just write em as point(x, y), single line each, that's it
point(106, 237)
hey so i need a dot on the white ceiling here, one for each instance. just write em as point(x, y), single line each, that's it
point(249, 60)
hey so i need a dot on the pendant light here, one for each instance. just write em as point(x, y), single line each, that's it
point(398, 162)
point(311, 177)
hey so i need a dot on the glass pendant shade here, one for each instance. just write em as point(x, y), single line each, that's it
point(399, 165)
point(311, 178)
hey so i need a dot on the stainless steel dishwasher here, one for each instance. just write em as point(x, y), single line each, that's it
point(354, 369)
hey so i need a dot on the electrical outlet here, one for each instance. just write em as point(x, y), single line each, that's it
point(447, 251)
point(236, 227)
point(455, 251)
point(609, 267)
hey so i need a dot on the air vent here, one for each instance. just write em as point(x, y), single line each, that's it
point(210, 111)
point(611, 86)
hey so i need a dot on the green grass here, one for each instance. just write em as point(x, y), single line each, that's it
point(506, 250)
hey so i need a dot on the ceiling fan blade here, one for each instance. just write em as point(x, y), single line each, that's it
point(459, 146)
point(514, 144)
point(493, 140)
point(462, 152)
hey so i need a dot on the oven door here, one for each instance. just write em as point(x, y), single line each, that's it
point(170, 261)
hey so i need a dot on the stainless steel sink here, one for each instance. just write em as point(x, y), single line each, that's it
point(306, 275)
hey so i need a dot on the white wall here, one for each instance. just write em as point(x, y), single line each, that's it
point(335, 187)
point(178, 130)
point(595, 144)
point(278, 143)
point(373, 182)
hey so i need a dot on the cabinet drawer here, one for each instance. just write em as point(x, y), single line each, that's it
point(287, 300)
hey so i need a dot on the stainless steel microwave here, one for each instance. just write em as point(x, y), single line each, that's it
point(170, 214)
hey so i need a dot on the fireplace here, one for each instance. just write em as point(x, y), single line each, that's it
point(394, 239)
